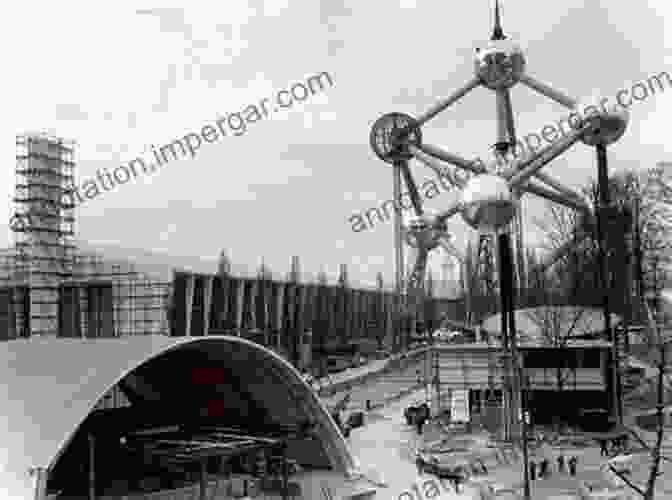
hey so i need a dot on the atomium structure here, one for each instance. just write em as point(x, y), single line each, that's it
point(490, 199)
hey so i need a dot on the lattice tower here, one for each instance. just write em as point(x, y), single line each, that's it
point(43, 224)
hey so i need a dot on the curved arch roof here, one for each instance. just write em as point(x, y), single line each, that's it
point(49, 386)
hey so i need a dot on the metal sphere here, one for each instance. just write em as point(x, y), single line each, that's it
point(386, 133)
point(607, 121)
point(499, 64)
point(424, 231)
point(488, 202)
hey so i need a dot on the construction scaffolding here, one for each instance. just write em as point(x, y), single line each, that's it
point(48, 286)
point(116, 299)
point(43, 224)
point(100, 298)
point(486, 261)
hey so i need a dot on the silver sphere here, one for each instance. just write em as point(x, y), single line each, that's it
point(424, 231)
point(608, 121)
point(499, 64)
point(489, 204)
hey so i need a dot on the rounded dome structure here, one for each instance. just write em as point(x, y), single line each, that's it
point(52, 380)
point(499, 64)
point(607, 121)
point(488, 202)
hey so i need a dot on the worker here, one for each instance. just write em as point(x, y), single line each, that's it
point(572, 465)
point(419, 463)
point(603, 448)
point(561, 463)
point(419, 422)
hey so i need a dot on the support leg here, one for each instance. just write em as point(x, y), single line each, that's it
point(602, 225)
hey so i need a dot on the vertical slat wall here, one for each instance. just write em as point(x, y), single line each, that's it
point(7, 317)
point(69, 312)
point(287, 317)
point(100, 312)
point(178, 316)
point(273, 303)
point(260, 303)
point(234, 305)
point(198, 307)
point(246, 305)
point(353, 323)
point(218, 306)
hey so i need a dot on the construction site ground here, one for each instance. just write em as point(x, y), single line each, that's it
point(388, 445)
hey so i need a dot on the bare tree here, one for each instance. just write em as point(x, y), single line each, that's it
point(557, 225)
point(557, 326)
point(646, 489)
point(648, 196)
point(577, 268)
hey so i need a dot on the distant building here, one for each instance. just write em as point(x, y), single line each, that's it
point(108, 349)
point(564, 381)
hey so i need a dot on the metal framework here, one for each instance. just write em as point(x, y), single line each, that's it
point(490, 200)
point(486, 264)
point(99, 298)
point(50, 287)
point(43, 224)
point(138, 304)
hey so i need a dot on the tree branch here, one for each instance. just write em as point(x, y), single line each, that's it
point(627, 481)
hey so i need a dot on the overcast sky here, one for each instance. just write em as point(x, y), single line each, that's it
point(118, 77)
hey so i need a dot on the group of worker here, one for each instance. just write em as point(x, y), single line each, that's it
point(617, 444)
point(545, 469)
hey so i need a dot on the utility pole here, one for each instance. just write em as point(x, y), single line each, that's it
point(515, 373)
point(525, 422)
point(398, 256)
point(603, 229)
point(437, 380)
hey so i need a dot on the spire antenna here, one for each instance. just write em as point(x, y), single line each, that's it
point(497, 32)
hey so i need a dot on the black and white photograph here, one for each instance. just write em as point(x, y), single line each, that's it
point(337, 250)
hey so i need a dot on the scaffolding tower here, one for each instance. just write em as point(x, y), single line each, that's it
point(486, 262)
point(43, 226)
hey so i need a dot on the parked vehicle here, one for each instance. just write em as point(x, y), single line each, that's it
point(414, 413)
point(355, 420)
